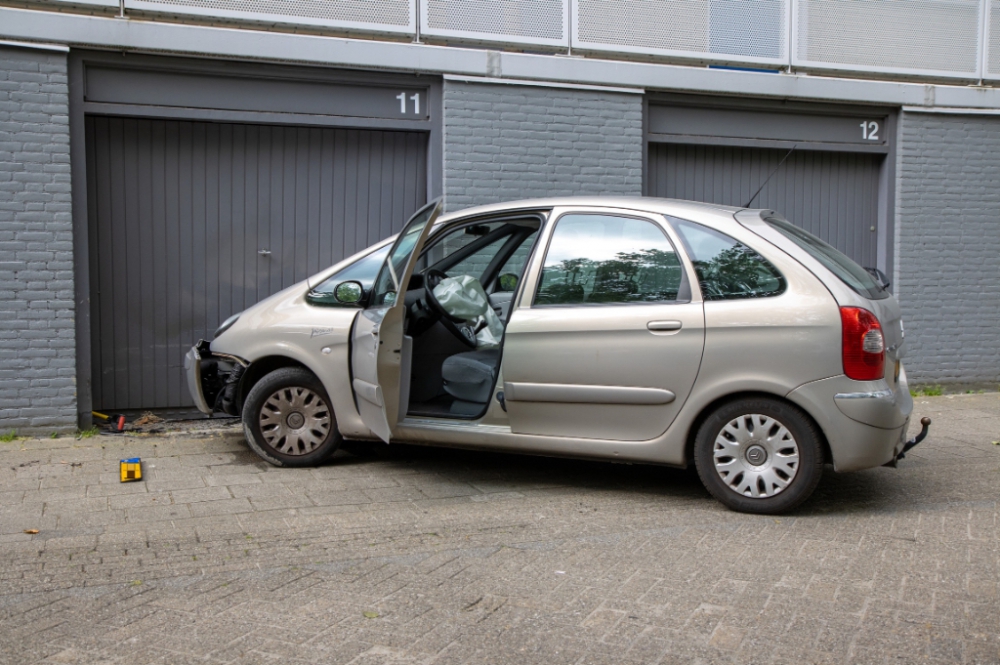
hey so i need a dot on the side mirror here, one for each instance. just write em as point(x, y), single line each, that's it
point(349, 293)
point(507, 282)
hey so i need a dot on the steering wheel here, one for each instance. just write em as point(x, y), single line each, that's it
point(460, 328)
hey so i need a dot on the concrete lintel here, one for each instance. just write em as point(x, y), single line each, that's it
point(950, 110)
point(151, 36)
point(38, 46)
point(543, 84)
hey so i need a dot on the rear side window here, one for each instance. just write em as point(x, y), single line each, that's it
point(606, 259)
point(845, 269)
point(728, 269)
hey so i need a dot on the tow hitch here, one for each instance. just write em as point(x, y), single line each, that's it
point(925, 423)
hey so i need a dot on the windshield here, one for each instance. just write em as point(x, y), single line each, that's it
point(845, 269)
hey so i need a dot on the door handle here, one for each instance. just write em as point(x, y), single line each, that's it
point(264, 252)
point(663, 326)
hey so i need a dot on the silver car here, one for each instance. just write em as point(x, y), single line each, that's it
point(627, 329)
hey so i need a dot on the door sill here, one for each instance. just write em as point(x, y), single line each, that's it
point(418, 422)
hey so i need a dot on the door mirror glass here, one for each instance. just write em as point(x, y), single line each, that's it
point(349, 293)
point(507, 283)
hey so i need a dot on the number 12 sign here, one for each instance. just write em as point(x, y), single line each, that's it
point(869, 130)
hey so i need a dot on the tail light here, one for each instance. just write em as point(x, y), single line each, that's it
point(863, 344)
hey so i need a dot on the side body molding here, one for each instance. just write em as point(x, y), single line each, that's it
point(579, 394)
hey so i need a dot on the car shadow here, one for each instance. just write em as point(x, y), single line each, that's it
point(874, 490)
point(871, 491)
point(520, 472)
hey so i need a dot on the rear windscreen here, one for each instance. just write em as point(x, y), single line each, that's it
point(848, 271)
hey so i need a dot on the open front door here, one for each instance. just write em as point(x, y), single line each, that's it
point(379, 354)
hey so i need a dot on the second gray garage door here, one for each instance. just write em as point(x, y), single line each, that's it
point(834, 195)
point(190, 222)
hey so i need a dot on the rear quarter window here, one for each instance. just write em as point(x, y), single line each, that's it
point(727, 269)
point(846, 270)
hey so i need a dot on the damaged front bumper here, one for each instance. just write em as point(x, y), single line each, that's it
point(213, 379)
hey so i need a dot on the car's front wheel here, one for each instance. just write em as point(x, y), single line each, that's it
point(759, 455)
point(288, 419)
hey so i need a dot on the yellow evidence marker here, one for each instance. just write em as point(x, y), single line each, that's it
point(131, 469)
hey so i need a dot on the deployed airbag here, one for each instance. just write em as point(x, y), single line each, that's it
point(464, 298)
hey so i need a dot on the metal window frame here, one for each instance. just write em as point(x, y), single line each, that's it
point(66, 3)
point(472, 36)
point(679, 54)
point(267, 17)
point(819, 65)
point(984, 40)
point(79, 108)
point(789, 59)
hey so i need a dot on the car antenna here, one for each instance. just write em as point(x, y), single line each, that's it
point(770, 176)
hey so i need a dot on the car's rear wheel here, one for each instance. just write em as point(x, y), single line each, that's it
point(759, 455)
point(288, 419)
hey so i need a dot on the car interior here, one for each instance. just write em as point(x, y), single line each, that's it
point(452, 372)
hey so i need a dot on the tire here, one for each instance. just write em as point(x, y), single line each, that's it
point(761, 474)
point(288, 419)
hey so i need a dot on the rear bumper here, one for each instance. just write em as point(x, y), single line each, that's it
point(865, 423)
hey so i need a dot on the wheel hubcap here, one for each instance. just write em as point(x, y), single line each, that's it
point(756, 456)
point(295, 421)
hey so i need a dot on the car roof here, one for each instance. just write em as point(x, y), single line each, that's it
point(693, 210)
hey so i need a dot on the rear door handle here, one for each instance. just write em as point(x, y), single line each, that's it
point(664, 326)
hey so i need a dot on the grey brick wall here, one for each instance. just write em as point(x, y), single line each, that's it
point(948, 247)
point(505, 142)
point(37, 356)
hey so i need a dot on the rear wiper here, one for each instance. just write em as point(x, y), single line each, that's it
point(880, 278)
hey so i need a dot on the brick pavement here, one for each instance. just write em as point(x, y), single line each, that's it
point(436, 556)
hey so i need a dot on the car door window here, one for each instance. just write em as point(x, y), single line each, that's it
point(364, 270)
point(476, 263)
point(446, 246)
point(389, 280)
point(726, 268)
point(510, 273)
point(606, 259)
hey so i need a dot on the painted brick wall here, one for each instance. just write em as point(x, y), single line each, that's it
point(948, 247)
point(37, 358)
point(505, 142)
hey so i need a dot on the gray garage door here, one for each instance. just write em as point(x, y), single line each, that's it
point(834, 195)
point(190, 222)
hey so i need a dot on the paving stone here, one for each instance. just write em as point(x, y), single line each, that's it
point(438, 556)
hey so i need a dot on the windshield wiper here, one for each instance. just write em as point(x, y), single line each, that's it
point(880, 278)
